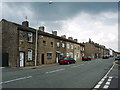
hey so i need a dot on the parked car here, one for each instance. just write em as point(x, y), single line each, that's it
point(66, 60)
point(105, 57)
point(117, 58)
point(86, 58)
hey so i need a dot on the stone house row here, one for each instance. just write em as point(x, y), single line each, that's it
point(19, 45)
point(95, 50)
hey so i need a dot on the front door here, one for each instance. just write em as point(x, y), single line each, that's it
point(21, 59)
point(57, 57)
point(42, 58)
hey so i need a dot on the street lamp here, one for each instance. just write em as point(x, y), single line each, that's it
point(36, 41)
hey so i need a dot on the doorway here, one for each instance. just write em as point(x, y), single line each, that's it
point(42, 58)
point(22, 59)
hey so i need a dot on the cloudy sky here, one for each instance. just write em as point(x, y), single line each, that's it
point(81, 20)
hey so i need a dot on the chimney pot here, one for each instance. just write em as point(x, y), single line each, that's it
point(63, 36)
point(75, 40)
point(54, 33)
point(25, 23)
point(70, 38)
point(42, 28)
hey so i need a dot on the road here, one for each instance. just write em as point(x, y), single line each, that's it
point(83, 74)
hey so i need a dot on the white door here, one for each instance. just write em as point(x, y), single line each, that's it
point(21, 59)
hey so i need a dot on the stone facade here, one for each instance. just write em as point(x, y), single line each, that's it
point(19, 42)
point(95, 50)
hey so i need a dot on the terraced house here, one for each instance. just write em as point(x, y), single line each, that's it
point(24, 46)
point(95, 50)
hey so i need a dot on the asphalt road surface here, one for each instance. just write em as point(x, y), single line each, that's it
point(83, 74)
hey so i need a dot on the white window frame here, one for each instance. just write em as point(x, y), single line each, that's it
point(58, 44)
point(71, 46)
point(29, 54)
point(78, 55)
point(30, 37)
point(68, 45)
point(63, 45)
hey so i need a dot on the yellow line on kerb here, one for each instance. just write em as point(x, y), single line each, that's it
point(116, 63)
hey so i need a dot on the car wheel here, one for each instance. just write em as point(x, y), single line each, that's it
point(68, 62)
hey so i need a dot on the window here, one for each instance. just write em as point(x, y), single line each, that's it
point(58, 44)
point(75, 47)
point(30, 36)
point(44, 43)
point(78, 47)
point(83, 49)
point(63, 45)
point(77, 55)
point(71, 46)
point(29, 54)
point(49, 55)
point(51, 44)
point(68, 46)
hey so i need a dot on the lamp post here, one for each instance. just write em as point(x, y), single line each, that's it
point(36, 41)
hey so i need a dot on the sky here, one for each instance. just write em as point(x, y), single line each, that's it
point(82, 20)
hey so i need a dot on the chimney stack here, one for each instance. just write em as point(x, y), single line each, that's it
point(25, 23)
point(70, 38)
point(75, 40)
point(41, 28)
point(54, 33)
point(63, 36)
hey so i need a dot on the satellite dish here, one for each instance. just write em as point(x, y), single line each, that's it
point(50, 2)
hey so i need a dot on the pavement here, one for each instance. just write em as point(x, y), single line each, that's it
point(80, 75)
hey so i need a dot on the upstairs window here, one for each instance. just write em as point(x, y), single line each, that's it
point(75, 47)
point(63, 45)
point(30, 37)
point(71, 46)
point(51, 44)
point(58, 44)
point(68, 46)
point(44, 43)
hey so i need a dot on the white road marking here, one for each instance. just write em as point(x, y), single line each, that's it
point(106, 86)
point(101, 81)
point(97, 86)
point(55, 71)
point(15, 80)
point(75, 66)
point(2, 67)
point(109, 80)
point(108, 83)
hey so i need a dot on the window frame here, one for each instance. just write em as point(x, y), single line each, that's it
point(50, 55)
point(30, 37)
point(30, 54)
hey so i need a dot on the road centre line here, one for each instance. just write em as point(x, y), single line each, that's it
point(15, 79)
point(75, 66)
point(55, 71)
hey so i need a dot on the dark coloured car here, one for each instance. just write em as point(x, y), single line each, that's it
point(105, 57)
point(86, 58)
point(117, 58)
point(66, 60)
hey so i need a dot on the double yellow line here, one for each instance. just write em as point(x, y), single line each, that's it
point(116, 63)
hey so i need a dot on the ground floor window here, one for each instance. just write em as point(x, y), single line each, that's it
point(77, 55)
point(29, 54)
point(49, 55)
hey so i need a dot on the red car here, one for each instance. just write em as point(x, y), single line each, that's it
point(66, 60)
point(86, 58)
